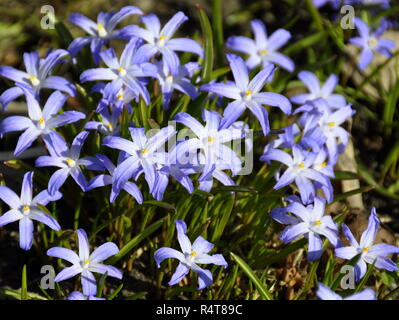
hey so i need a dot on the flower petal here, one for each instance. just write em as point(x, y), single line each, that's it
point(63, 253)
point(179, 274)
point(68, 273)
point(164, 253)
point(104, 251)
point(84, 251)
point(10, 197)
point(25, 233)
point(184, 241)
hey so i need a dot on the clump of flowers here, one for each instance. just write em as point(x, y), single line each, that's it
point(156, 110)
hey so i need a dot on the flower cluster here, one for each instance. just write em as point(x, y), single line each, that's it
point(307, 149)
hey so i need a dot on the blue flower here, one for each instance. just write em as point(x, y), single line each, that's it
point(263, 50)
point(309, 221)
point(247, 94)
point(329, 125)
point(176, 81)
point(371, 43)
point(25, 209)
point(86, 263)
point(142, 153)
point(37, 76)
point(168, 166)
point(368, 251)
point(160, 40)
point(39, 122)
point(210, 141)
point(299, 169)
point(114, 96)
point(128, 70)
point(67, 159)
point(109, 122)
point(107, 179)
point(101, 32)
point(190, 257)
point(325, 293)
point(334, 101)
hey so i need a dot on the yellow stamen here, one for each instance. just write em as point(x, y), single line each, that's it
point(372, 42)
point(41, 121)
point(144, 150)
point(101, 30)
point(331, 124)
point(120, 96)
point(211, 139)
point(193, 254)
point(263, 52)
point(26, 208)
point(162, 38)
point(122, 71)
point(323, 164)
point(301, 165)
point(318, 223)
point(248, 93)
point(34, 80)
point(70, 162)
point(366, 249)
point(87, 261)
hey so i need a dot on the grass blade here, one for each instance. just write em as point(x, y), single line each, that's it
point(248, 271)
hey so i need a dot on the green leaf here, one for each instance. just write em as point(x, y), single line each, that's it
point(217, 22)
point(363, 281)
point(24, 286)
point(248, 271)
point(390, 107)
point(137, 295)
point(348, 194)
point(208, 46)
point(115, 293)
point(345, 175)
point(135, 241)
point(101, 284)
point(160, 204)
point(234, 189)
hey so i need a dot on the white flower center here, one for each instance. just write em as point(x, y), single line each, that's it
point(169, 80)
point(85, 264)
point(70, 162)
point(248, 95)
point(34, 80)
point(41, 124)
point(190, 257)
point(143, 153)
point(122, 71)
point(102, 32)
point(372, 43)
point(161, 41)
point(300, 166)
point(26, 210)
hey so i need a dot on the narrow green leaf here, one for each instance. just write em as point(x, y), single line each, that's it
point(24, 286)
point(208, 46)
point(217, 22)
point(363, 281)
point(348, 194)
point(160, 204)
point(135, 241)
point(137, 295)
point(248, 271)
point(115, 293)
